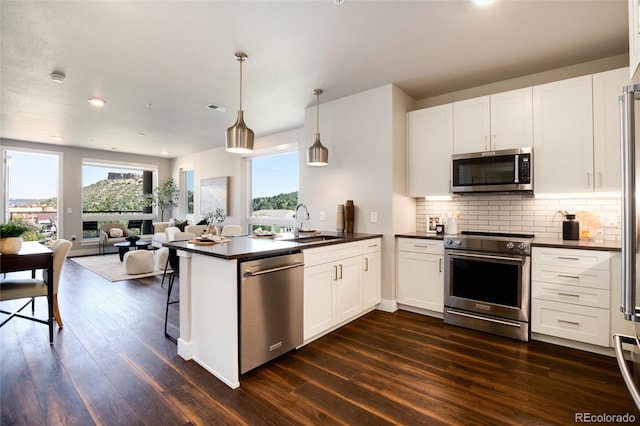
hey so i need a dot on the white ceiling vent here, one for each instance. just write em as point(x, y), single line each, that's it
point(218, 107)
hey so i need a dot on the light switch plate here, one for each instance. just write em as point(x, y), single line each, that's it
point(374, 217)
point(323, 216)
point(609, 220)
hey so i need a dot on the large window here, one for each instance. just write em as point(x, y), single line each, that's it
point(115, 192)
point(31, 192)
point(274, 190)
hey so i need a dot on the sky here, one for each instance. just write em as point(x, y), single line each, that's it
point(275, 174)
point(33, 175)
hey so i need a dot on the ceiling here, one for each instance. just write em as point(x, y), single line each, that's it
point(158, 64)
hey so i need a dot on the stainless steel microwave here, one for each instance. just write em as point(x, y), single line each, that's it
point(509, 170)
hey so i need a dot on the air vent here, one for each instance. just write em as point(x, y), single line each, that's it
point(218, 107)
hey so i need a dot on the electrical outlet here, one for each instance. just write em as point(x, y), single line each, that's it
point(374, 217)
point(73, 237)
point(609, 220)
point(323, 216)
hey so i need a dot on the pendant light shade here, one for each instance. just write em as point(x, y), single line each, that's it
point(239, 138)
point(317, 154)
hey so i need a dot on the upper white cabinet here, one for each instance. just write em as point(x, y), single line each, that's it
point(500, 121)
point(563, 136)
point(577, 133)
point(430, 141)
point(607, 87)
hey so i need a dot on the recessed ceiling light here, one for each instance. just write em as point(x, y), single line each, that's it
point(141, 134)
point(57, 76)
point(57, 138)
point(97, 102)
point(164, 152)
point(482, 2)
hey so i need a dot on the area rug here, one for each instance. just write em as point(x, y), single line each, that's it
point(109, 267)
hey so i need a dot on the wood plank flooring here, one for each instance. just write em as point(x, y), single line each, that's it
point(111, 364)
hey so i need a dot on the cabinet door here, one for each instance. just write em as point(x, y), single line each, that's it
point(607, 87)
point(430, 142)
point(512, 119)
point(348, 288)
point(563, 136)
point(372, 279)
point(421, 280)
point(471, 121)
point(318, 299)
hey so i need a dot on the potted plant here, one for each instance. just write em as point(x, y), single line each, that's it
point(165, 196)
point(11, 236)
point(217, 216)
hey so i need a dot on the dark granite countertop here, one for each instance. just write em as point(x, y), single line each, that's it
point(245, 247)
point(538, 242)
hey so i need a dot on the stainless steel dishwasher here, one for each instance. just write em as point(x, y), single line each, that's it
point(271, 301)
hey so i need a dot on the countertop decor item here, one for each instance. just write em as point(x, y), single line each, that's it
point(239, 138)
point(317, 154)
point(350, 216)
point(340, 218)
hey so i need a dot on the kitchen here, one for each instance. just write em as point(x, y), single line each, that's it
point(378, 116)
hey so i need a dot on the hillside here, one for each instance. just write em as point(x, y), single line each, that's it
point(114, 195)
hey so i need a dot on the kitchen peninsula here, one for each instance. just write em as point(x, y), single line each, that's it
point(342, 277)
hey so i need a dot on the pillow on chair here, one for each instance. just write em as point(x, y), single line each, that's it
point(115, 233)
point(180, 225)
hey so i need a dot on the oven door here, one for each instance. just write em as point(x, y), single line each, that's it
point(489, 284)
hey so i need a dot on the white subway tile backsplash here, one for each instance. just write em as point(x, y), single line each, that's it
point(518, 213)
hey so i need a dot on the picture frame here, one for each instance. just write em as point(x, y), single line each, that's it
point(432, 221)
point(214, 194)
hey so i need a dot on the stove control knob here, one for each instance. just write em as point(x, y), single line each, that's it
point(510, 246)
point(458, 242)
point(522, 246)
point(448, 242)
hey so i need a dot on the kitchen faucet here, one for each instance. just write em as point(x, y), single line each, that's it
point(298, 225)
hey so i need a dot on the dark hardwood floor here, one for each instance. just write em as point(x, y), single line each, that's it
point(111, 364)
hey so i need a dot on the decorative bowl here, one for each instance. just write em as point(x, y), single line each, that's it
point(132, 239)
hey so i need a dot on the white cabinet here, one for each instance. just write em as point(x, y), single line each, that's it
point(341, 282)
point(570, 294)
point(430, 141)
point(500, 121)
point(371, 273)
point(607, 87)
point(420, 273)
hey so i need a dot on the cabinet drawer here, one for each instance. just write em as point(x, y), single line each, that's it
point(331, 253)
point(417, 245)
point(594, 278)
point(584, 296)
point(580, 323)
point(372, 246)
point(571, 258)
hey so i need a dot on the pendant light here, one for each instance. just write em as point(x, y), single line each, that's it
point(239, 137)
point(317, 154)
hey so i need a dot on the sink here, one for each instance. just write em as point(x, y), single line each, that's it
point(312, 239)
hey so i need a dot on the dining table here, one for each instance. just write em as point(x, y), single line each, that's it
point(31, 257)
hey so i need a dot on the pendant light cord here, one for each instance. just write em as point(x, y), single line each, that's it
point(317, 112)
point(241, 59)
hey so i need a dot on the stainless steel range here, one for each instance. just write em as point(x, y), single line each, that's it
point(488, 281)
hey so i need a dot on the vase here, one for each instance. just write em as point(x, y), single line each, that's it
point(349, 216)
point(10, 245)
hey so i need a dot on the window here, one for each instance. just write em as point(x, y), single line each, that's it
point(115, 192)
point(189, 189)
point(31, 192)
point(274, 190)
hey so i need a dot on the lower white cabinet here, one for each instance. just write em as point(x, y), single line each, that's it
point(341, 282)
point(420, 273)
point(570, 294)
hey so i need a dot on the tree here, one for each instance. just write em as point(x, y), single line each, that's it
point(165, 196)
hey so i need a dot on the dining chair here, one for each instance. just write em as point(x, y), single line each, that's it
point(231, 230)
point(11, 289)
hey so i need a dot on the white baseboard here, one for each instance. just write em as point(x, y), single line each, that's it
point(387, 305)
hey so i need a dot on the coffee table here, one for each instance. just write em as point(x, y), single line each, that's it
point(124, 247)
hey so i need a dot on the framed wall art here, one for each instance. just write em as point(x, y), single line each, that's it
point(432, 221)
point(214, 194)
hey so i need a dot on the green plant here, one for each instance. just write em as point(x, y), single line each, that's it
point(218, 216)
point(14, 229)
point(165, 196)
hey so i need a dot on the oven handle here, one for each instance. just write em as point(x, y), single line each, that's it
point(478, 317)
point(488, 257)
point(619, 339)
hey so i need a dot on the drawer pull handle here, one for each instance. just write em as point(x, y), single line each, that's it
point(373, 245)
point(576, 323)
point(420, 245)
point(569, 295)
point(568, 258)
point(575, 277)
